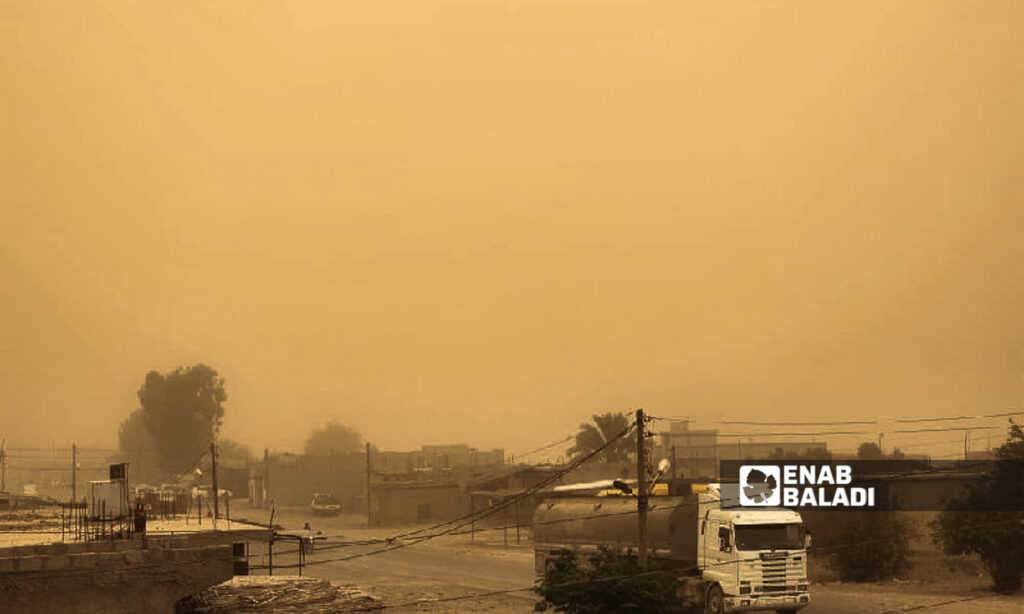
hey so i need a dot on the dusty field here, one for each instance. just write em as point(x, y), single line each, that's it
point(436, 576)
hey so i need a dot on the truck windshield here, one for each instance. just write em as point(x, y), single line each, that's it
point(769, 537)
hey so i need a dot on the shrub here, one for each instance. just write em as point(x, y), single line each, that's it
point(608, 582)
point(868, 546)
point(988, 520)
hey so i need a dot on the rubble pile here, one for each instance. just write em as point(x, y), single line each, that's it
point(284, 594)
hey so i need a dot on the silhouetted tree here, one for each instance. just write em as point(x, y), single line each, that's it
point(988, 519)
point(136, 446)
point(603, 429)
point(229, 449)
point(182, 410)
point(333, 437)
point(869, 450)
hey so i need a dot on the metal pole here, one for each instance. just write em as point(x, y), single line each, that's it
point(216, 493)
point(641, 490)
point(674, 462)
point(517, 522)
point(265, 501)
point(369, 509)
point(270, 545)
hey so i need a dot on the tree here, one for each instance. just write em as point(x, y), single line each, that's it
point(988, 519)
point(229, 449)
point(182, 411)
point(335, 438)
point(603, 429)
point(609, 582)
point(137, 447)
point(869, 451)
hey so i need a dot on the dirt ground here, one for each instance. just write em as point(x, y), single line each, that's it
point(483, 574)
point(439, 575)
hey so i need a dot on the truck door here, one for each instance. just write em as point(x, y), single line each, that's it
point(720, 547)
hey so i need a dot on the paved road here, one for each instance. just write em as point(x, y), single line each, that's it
point(451, 567)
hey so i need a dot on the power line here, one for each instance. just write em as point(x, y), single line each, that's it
point(477, 515)
point(901, 419)
point(545, 447)
point(929, 606)
point(494, 593)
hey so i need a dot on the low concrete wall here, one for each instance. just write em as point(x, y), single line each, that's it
point(108, 577)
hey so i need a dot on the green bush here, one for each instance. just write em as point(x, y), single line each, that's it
point(608, 582)
point(868, 546)
point(988, 520)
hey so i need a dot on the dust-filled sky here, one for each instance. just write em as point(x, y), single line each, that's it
point(483, 221)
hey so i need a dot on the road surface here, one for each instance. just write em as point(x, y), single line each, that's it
point(434, 576)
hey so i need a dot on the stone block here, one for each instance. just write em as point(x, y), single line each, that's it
point(29, 563)
point(82, 561)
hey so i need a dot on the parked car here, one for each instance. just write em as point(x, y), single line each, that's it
point(325, 505)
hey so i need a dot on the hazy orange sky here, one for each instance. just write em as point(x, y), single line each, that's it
point(483, 221)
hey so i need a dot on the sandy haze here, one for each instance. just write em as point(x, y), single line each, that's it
point(483, 221)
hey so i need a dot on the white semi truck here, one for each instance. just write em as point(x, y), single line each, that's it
point(729, 559)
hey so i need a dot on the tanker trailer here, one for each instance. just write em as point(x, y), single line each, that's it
point(728, 560)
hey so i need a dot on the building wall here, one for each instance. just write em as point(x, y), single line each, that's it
point(414, 503)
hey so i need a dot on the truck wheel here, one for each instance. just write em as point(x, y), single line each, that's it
point(714, 602)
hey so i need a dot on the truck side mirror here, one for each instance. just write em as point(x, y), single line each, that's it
point(807, 540)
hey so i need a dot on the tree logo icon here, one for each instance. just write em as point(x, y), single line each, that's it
point(759, 485)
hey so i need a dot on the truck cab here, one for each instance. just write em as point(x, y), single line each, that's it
point(752, 559)
point(730, 558)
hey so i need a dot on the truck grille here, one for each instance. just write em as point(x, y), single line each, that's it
point(779, 573)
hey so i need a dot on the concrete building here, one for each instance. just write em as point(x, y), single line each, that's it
point(696, 453)
point(693, 452)
point(436, 458)
point(395, 503)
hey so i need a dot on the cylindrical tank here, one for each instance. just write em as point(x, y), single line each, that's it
point(583, 522)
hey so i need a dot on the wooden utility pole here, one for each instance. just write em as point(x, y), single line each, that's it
point(74, 472)
point(266, 478)
point(641, 490)
point(216, 493)
point(369, 509)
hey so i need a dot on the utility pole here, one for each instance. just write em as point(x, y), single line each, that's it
point(216, 493)
point(266, 478)
point(674, 462)
point(641, 489)
point(369, 512)
point(74, 472)
point(3, 465)
point(270, 544)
